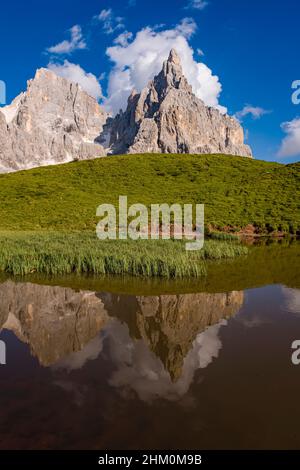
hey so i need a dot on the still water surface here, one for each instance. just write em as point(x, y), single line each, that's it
point(209, 367)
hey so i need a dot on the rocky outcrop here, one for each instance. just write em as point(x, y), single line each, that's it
point(53, 122)
point(166, 117)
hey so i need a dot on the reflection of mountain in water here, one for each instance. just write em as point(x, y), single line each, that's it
point(62, 325)
point(54, 321)
point(170, 323)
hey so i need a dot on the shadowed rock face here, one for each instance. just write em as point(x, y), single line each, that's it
point(167, 117)
point(54, 121)
point(57, 322)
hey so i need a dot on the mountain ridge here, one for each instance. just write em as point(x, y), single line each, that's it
point(55, 121)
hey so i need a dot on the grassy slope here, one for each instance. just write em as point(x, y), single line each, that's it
point(236, 191)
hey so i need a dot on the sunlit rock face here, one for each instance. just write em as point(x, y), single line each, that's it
point(166, 117)
point(53, 122)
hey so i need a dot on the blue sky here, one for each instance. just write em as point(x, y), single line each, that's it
point(251, 45)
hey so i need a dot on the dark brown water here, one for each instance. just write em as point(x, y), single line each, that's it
point(199, 366)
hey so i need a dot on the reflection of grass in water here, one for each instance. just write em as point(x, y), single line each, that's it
point(278, 263)
point(61, 253)
point(272, 263)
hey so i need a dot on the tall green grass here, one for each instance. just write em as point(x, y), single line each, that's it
point(57, 253)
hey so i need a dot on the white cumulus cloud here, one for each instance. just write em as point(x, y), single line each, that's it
point(197, 4)
point(68, 46)
point(109, 21)
point(290, 145)
point(123, 38)
point(136, 62)
point(255, 112)
point(76, 74)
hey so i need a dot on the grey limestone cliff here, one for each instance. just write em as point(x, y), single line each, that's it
point(53, 122)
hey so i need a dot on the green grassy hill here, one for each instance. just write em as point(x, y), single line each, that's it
point(236, 191)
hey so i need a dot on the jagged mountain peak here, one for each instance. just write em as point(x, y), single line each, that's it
point(46, 79)
point(171, 76)
point(174, 57)
point(166, 117)
point(55, 121)
point(45, 73)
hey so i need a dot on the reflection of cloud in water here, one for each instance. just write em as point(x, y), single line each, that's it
point(139, 370)
point(78, 359)
point(136, 368)
point(292, 299)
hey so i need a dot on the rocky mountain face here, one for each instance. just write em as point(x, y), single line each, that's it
point(166, 117)
point(54, 121)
